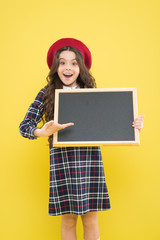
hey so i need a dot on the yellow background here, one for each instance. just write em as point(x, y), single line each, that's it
point(124, 38)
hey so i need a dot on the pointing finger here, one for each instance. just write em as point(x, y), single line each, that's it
point(67, 125)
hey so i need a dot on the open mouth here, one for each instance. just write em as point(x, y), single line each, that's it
point(67, 75)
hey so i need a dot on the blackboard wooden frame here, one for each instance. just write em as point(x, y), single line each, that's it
point(59, 93)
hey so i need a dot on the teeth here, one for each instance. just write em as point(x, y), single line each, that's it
point(67, 74)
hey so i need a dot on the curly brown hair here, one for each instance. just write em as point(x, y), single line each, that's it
point(84, 80)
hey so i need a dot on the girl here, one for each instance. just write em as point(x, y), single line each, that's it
point(77, 179)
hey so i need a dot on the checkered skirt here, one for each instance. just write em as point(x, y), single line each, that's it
point(77, 181)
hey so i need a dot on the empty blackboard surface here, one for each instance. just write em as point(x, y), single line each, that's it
point(100, 117)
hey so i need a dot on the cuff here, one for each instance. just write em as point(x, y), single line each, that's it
point(32, 133)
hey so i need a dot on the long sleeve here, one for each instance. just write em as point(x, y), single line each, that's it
point(33, 117)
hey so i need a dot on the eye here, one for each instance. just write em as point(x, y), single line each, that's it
point(62, 63)
point(74, 63)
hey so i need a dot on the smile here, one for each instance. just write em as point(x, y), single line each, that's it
point(67, 75)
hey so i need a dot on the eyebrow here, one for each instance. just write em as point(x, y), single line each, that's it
point(65, 59)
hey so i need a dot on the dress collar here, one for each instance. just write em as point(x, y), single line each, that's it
point(65, 87)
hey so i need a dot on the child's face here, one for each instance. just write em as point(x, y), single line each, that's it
point(68, 69)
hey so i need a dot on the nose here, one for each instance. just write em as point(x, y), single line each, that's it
point(68, 66)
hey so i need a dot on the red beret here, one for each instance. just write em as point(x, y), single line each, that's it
point(66, 42)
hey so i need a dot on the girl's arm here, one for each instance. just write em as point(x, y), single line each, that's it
point(33, 117)
point(28, 127)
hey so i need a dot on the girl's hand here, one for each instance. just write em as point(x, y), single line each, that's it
point(50, 128)
point(138, 122)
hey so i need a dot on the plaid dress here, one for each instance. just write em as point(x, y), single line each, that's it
point(77, 179)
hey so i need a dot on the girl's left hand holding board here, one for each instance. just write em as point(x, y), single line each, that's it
point(50, 128)
point(138, 123)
